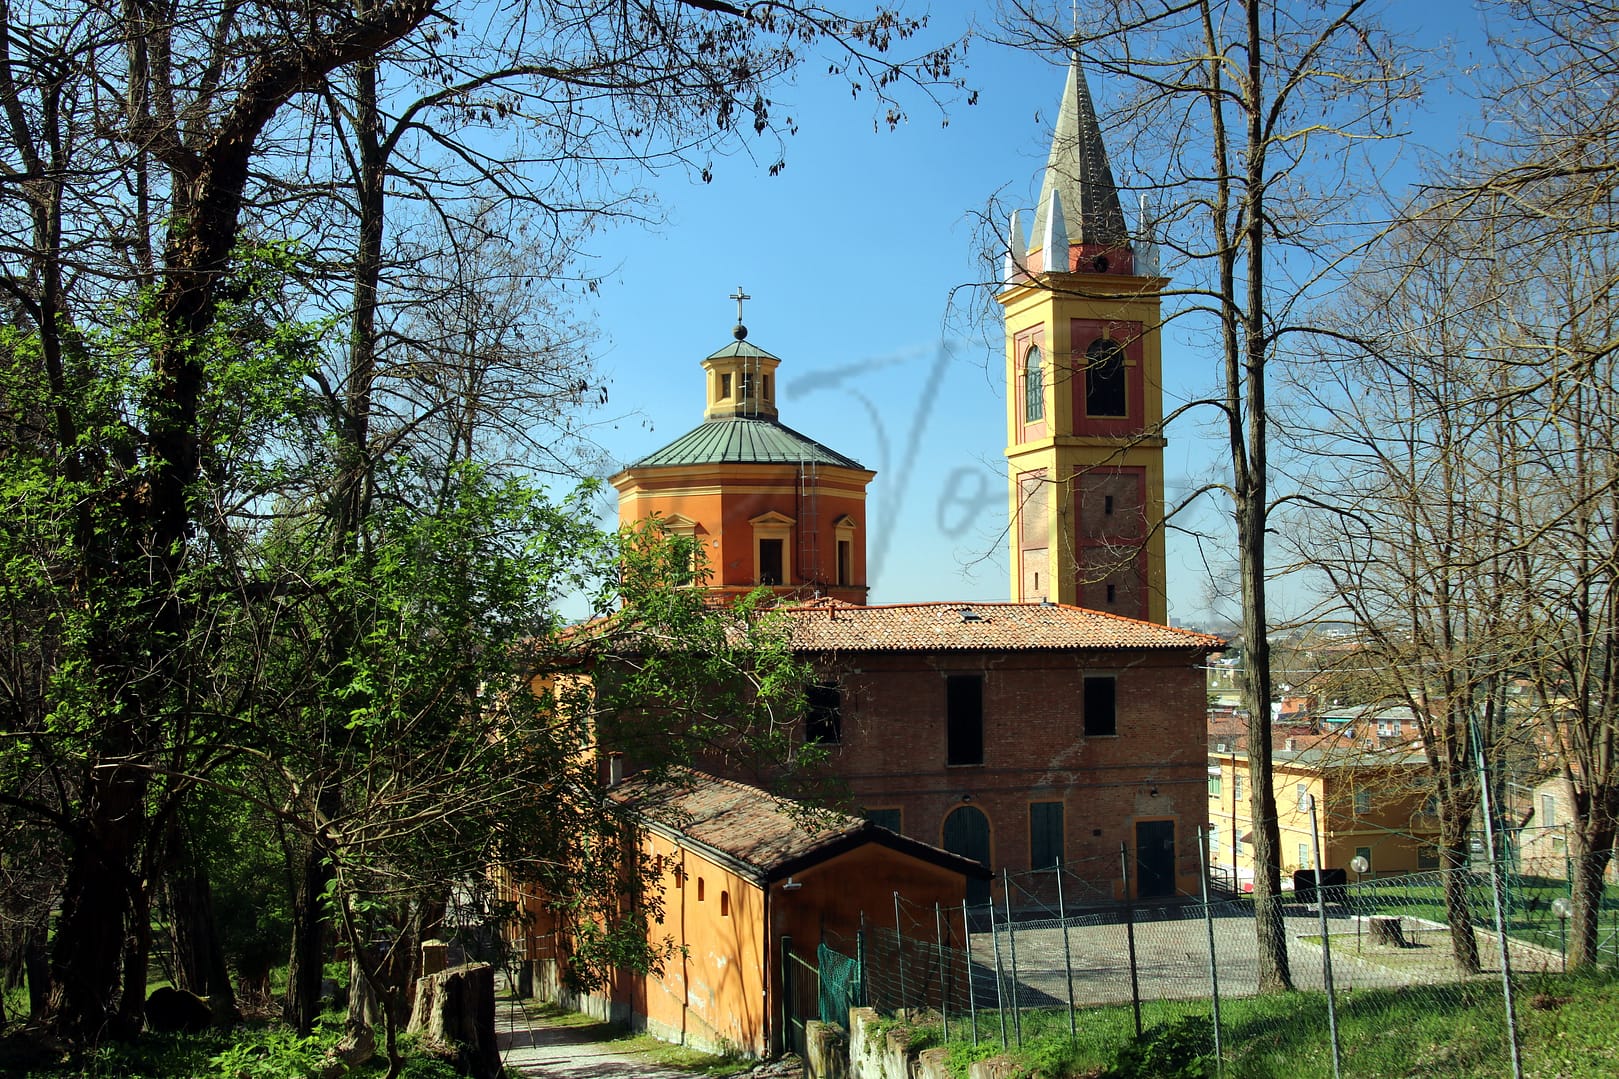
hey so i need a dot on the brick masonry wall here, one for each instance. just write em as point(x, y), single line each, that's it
point(892, 751)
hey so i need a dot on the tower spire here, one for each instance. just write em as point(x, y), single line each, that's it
point(1078, 174)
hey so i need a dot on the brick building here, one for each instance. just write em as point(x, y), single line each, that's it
point(1018, 734)
point(1061, 729)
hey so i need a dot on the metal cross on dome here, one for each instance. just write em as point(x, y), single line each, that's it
point(739, 296)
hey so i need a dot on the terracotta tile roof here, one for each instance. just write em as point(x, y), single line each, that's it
point(763, 835)
point(832, 625)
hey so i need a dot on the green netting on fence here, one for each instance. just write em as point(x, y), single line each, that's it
point(840, 985)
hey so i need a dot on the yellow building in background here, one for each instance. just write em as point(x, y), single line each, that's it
point(1375, 805)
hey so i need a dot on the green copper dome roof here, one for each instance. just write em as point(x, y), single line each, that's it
point(744, 440)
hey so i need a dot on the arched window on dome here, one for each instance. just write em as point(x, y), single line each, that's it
point(1034, 386)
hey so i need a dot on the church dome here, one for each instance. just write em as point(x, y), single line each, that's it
point(744, 440)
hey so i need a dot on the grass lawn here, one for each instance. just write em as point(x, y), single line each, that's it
point(1529, 906)
point(1569, 1028)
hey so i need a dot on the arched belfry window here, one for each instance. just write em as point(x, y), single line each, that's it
point(1104, 379)
point(1034, 386)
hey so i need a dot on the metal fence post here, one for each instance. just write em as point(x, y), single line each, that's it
point(1497, 891)
point(1214, 966)
point(1067, 956)
point(787, 1009)
point(1011, 948)
point(967, 950)
point(1000, 990)
point(1326, 940)
point(944, 979)
point(899, 953)
point(1130, 936)
point(862, 957)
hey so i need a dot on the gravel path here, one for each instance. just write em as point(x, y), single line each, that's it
point(535, 1046)
point(532, 1045)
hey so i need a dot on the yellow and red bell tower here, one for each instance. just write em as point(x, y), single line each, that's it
point(1084, 419)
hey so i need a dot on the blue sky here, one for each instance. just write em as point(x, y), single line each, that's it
point(851, 256)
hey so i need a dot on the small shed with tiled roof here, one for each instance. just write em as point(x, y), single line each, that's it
point(740, 871)
point(761, 503)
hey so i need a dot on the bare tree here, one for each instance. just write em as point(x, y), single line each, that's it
point(1241, 120)
point(1469, 479)
point(1421, 512)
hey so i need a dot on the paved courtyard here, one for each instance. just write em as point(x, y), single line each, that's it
point(1172, 958)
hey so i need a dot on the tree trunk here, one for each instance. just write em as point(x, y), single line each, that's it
point(199, 955)
point(455, 1015)
point(1458, 912)
point(87, 953)
point(311, 920)
point(37, 961)
point(1593, 850)
point(137, 956)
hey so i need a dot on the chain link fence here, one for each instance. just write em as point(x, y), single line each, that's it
point(1027, 964)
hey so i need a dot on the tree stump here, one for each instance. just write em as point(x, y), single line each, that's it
point(1386, 931)
point(455, 1015)
point(435, 956)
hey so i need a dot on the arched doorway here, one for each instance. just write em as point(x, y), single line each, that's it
point(966, 832)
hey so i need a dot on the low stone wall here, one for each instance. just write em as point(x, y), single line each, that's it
point(826, 1051)
point(889, 1057)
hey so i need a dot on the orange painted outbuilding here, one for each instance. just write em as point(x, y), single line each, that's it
point(736, 870)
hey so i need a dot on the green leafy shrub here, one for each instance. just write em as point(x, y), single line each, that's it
point(273, 1053)
point(1182, 1049)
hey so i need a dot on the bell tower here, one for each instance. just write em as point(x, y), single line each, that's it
point(1084, 417)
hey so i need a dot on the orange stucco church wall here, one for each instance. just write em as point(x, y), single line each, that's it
point(724, 500)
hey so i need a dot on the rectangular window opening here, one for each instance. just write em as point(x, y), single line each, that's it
point(884, 818)
point(1101, 696)
point(770, 561)
point(823, 713)
point(964, 719)
point(845, 562)
point(1045, 834)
